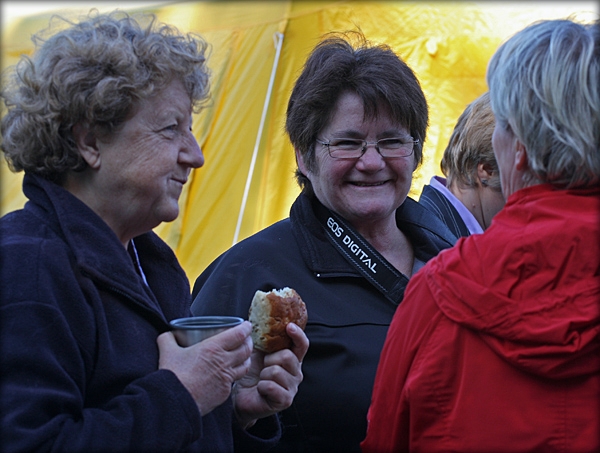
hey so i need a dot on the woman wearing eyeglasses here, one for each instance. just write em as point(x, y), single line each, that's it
point(357, 118)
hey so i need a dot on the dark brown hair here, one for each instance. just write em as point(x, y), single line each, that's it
point(348, 62)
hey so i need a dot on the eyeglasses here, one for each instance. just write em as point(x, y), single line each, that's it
point(353, 148)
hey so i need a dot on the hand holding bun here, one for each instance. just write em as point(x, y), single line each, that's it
point(270, 313)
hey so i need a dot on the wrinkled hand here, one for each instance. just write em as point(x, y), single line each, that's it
point(209, 368)
point(272, 381)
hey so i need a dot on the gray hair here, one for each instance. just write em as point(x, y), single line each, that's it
point(93, 72)
point(544, 86)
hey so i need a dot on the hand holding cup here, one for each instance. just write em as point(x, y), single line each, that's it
point(208, 368)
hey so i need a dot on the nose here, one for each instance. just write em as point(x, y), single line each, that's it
point(371, 160)
point(191, 153)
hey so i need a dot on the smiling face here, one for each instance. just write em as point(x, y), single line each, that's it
point(141, 169)
point(364, 190)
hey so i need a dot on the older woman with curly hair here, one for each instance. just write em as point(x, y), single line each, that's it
point(100, 121)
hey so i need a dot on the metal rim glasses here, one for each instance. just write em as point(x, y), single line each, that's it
point(353, 148)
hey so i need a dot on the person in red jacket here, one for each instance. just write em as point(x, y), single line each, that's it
point(496, 346)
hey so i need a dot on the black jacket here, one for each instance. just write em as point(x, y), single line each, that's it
point(79, 359)
point(347, 317)
point(438, 204)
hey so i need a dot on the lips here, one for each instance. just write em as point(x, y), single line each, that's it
point(368, 184)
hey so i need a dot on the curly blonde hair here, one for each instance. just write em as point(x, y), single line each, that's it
point(93, 72)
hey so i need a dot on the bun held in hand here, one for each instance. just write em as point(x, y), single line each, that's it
point(270, 313)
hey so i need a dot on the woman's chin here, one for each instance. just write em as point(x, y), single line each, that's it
point(369, 205)
point(169, 214)
point(371, 211)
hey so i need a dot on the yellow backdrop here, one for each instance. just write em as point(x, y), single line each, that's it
point(258, 49)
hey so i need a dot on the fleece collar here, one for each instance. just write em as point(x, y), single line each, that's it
point(426, 232)
point(97, 250)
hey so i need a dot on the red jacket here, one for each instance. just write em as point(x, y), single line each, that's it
point(496, 346)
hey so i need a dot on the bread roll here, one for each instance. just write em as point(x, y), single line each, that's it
point(270, 313)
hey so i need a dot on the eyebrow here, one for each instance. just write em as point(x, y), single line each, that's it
point(390, 133)
point(172, 113)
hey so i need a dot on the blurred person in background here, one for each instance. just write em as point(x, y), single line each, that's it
point(496, 346)
point(357, 118)
point(470, 195)
point(100, 121)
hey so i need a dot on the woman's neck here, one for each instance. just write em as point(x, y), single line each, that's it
point(469, 197)
point(390, 242)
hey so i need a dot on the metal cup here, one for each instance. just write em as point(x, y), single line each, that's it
point(192, 330)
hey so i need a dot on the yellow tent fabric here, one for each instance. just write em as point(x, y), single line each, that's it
point(258, 49)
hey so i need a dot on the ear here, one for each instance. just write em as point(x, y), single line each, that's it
point(484, 173)
point(521, 159)
point(301, 165)
point(87, 144)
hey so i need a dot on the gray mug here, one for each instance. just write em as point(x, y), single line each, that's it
point(192, 330)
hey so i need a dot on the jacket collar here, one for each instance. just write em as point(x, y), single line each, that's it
point(96, 248)
point(428, 234)
point(94, 245)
